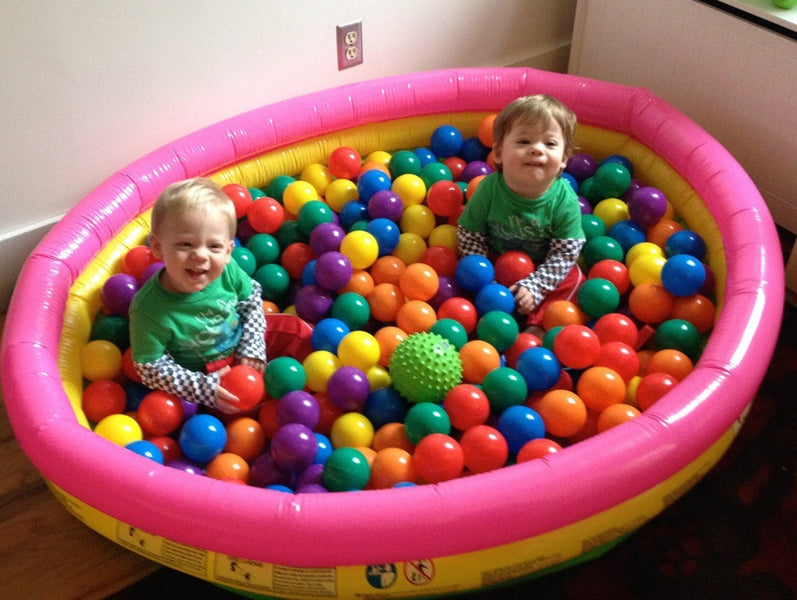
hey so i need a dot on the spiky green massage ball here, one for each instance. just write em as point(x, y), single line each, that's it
point(424, 366)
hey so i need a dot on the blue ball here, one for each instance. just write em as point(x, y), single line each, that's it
point(571, 180)
point(146, 449)
point(473, 272)
point(446, 141)
point(683, 275)
point(308, 273)
point(383, 406)
point(620, 159)
point(685, 242)
point(520, 424)
point(494, 296)
point(202, 438)
point(472, 149)
point(539, 367)
point(627, 233)
point(425, 155)
point(371, 182)
point(352, 212)
point(386, 232)
point(324, 449)
point(327, 334)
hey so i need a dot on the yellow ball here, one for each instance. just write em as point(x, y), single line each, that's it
point(444, 235)
point(630, 391)
point(317, 175)
point(359, 349)
point(410, 248)
point(297, 194)
point(378, 377)
point(611, 211)
point(378, 156)
point(410, 188)
point(100, 359)
point(340, 192)
point(361, 248)
point(120, 429)
point(646, 269)
point(642, 249)
point(418, 219)
point(352, 430)
point(318, 368)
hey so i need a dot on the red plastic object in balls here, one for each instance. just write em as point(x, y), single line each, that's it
point(246, 383)
point(512, 266)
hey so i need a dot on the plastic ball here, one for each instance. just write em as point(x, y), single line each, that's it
point(390, 467)
point(425, 418)
point(652, 387)
point(348, 388)
point(512, 266)
point(387, 269)
point(121, 429)
point(326, 335)
point(474, 272)
point(451, 330)
point(597, 297)
point(696, 309)
point(341, 192)
point(388, 338)
point(410, 248)
point(245, 438)
point(415, 316)
point(614, 415)
point(296, 194)
point(445, 141)
point(326, 237)
point(299, 406)
point(352, 429)
point(100, 359)
point(576, 346)
point(372, 181)
point(438, 457)
point(294, 447)
point(498, 328)
point(274, 280)
point(352, 309)
point(646, 206)
point(344, 162)
point(318, 367)
point(539, 367)
point(683, 275)
point(627, 233)
point(446, 290)
point(383, 406)
point(613, 271)
point(478, 358)
point(592, 226)
point(685, 242)
point(600, 248)
point(418, 219)
point(504, 387)
point(202, 437)
point(160, 413)
point(671, 361)
point(619, 357)
point(332, 270)
point(562, 411)
point(359, 349)
point(264, 247)
point(485, 130)
point(467, 405)
point(102, 398)
point(678, 335)
point(352, 214)
point(612, 179)
point(445, 198)
point(494, 297)
point(581, 166)
point(562, 312)
point(611, 211)
point(386, 204)
point(404, 161)
point(444, 234)
point(538, 448)
point(599, 387)
point(313, 302)
point(117, 292)
point(361, 248)
point(523, 342)
point(146, 449)
point(484, 449)
point(461, 310)
point(424, 367)
point(266, 215)
point(418, 281)
point(411, 188)
point(442, 259)
point(384, 301)
point(519, 425)
point(346, 470)
point(650, 302)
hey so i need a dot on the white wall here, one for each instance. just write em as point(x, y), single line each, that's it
point(89, 86)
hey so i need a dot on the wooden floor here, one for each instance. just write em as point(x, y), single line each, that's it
point(45, 552)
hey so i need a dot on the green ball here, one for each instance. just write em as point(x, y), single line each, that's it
point(424, 366)
point(352, 309)
point(498, 329)
point(284, 374)
point(505, 387)
point(264, 247)
point(403, 162)
point(274, 280)
point(452, 330)
point(433, 172)
point(593, 226)
point(112, 328)
point(288, 233)
point(277, 186)
point(601, 247)
point(612, 179)
point(245, 259)
point(346, 470)
point(314, 213)
point(598, 297)
point(550, 335)
point(678, 334)
point(425, 418)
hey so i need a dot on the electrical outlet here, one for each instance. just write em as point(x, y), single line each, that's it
point(350, 44)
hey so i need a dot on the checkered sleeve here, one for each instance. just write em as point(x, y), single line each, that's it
point(253, 325)
point(166, 375)
point(471, 242)
point(562, 255)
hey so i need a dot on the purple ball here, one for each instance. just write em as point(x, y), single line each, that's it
point(474, 169)
point(299, 406)
point(313, 302)
point(189, 409)
point(586, 208)
point(311, 488)
point(446, 288)
point(265, 471)
point(294, 447)
point(332, 270)
point(326, 237)
point(312, 474)
point(150, 271)
point(646, 206)
point(187, 466)
point(581, 166)
point(117, 292)
point(386, 204)
point(348, 388)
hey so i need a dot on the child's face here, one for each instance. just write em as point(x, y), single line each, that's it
point(194, 247)
point(532, 157)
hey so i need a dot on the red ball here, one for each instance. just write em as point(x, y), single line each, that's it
point(467, 406)
point(168, 446)
point(576, 346)
point(266, 215)
point(537, 448)
point(513, 266)
point(102, 398)
point(484, 448)
point(438, 457)
point(160, 413)
point(295, 257)
point(615, 327)
point(611, 270)
point(247, 384)
point(442, 259)
point(619, 357)
point(461, 310)
point(345, 162)
point(241, 198)
point(523, 342)
point(445, 198)
point(137, 260)
point(652, 387)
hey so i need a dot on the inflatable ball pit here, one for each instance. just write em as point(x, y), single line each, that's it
point(485, 530)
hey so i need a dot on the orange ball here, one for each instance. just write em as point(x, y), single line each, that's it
point(391, 466)
point(600, 387)
point(650, 302)
point(245, 437)
point(385, 300)
point(388, 338)
point(562, 312)
point(562, 411)
point(472, 185)
point(662, 230)
point(270, 308)
point(392, 435)
point(387, 269)
point(361, 283)
point(696, 309)
point(616, 414)
point(478, 358)
point(228, 466)
point(416, 316)
point(485, 130)
point(419, 281)
point(671, 361)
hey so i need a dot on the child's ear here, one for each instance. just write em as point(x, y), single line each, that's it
point(496, 153)
point(155, 245)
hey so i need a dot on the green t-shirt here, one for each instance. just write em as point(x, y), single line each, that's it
point(196, 328)
point(512, 222)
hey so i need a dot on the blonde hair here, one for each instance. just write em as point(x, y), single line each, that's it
point(538, 109)
point(198, 193)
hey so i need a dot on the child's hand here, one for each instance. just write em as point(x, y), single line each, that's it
point(225, 400)
point(524, 299)
point(255, 363)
